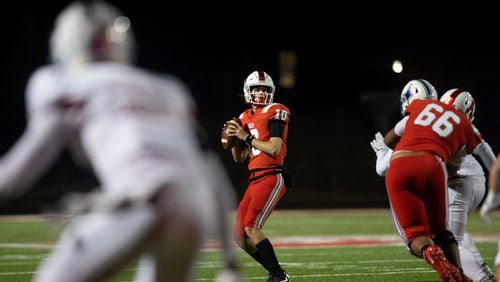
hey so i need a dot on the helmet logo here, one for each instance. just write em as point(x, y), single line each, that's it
point(416, 89)
point(453, 96)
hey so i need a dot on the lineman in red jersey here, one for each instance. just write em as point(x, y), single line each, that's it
point(265, 138)
point(416, 180)
point(465, 185)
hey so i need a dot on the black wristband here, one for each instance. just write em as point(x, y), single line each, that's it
point(249, 139)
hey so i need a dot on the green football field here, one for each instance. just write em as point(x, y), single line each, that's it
point(312, 245)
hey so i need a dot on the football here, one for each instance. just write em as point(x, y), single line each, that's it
point(241, 151)
point(228, 141)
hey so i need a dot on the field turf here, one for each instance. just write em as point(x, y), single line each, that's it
point(312, 245)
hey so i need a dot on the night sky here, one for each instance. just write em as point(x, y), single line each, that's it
point(345, 89)
point(344, 51)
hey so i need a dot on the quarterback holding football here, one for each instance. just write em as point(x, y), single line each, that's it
point(261, 137)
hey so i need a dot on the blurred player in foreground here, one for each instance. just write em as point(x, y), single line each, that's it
point(466, 187)
point(492, 202)
point(263, 133)
point(138, 131)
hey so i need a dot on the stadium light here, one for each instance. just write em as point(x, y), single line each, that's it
point(397, 66)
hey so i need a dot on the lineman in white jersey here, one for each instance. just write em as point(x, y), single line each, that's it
point(466, 185)
point(492, 202)
point(137, 130)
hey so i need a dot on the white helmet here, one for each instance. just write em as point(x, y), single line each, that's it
point(414, 90)
point(460, 100)
point(258, 78)
point(91, 32)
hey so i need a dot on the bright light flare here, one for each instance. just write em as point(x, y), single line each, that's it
point(397, 66)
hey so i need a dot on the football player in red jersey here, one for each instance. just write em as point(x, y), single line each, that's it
point(434, 133)
point(466, 186)
point(264, 130)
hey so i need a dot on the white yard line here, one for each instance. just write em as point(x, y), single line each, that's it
point(297, 241)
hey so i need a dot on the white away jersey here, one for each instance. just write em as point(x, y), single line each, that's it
point(136, 128)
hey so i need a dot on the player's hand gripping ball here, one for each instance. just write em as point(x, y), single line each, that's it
point(228, 141)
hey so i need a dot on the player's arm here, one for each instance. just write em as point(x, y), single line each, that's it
point(32, 154)
point(494, 177)
point(394, 135)
point(485, 153)
point(278, 118)
point(240, 150)
point(483, 150)
point(492, 201)
point(383, 162)
point(383, 146)
point(273, 146)
point(391, 139)
point(383, 153)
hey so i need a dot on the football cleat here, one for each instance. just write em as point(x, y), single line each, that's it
point(448, 272)
point(282, 276)
point(490, 277)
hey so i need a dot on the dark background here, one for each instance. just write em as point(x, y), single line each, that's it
point(345, 89)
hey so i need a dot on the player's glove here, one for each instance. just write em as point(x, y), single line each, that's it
point(492, 201)
point(378, 143)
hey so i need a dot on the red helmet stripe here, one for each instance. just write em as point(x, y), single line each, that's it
point(262, 75)
point(454, 95)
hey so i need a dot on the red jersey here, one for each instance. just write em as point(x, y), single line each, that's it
point(438, 128)
point(257, 123)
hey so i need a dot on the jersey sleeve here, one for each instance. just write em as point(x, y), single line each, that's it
point(473, 139)
point(33, 153)
point(244, 119)
point(399, 129)
point(485, 153)
point(383, 161)
point(476, 131)
point(41, 88)
point(278, 112)
point(483, 150)
point(44, 137)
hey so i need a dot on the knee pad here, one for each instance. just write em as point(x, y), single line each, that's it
point(444, 239)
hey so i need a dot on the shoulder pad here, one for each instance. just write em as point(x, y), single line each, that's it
point(277, 111)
